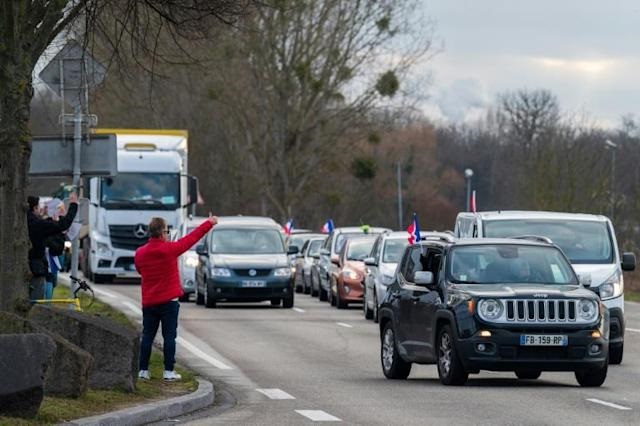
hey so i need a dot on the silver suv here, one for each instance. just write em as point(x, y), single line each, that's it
point(589, 242)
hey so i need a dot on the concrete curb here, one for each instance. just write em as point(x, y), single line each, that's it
point(155, 411)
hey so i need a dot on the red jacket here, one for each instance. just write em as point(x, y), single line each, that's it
point(157, 263)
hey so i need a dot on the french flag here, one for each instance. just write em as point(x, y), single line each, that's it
point(288, 227)
point(327, 227)
point(414, 230)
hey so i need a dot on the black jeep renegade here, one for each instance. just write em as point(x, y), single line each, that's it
point(491, 304)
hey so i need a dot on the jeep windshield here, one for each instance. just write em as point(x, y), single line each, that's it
point(582, 241)
point(246, 241)
point(509, 264)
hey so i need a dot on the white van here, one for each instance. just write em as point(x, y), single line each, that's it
point(589, 242)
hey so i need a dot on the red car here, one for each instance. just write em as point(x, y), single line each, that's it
point(347, 285)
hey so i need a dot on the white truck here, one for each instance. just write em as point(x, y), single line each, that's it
point(152, 181)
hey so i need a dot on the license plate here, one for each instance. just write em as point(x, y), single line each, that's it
point(543, 340)
point(254, 283)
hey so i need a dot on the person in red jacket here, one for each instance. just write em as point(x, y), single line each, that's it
point(157, 264)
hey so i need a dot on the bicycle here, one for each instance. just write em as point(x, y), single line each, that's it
point(75, 301)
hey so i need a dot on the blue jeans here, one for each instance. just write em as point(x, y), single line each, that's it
point(152, 317)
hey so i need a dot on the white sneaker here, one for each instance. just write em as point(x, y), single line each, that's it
point(171, 375)
point(144, 374)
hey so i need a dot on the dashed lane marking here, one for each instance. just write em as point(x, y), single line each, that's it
point(342, 324)
point(200, 354)
point(299, 310)
point(318, 416)
point(136, 310)
point(608, 404)
point(275, 393)
point(635, 330)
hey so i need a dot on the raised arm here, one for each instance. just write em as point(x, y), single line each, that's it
point(185, 243)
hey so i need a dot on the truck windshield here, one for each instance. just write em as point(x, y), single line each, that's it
point(581, 241)
point(509, 264)
point(140, 191)
point(246, 241)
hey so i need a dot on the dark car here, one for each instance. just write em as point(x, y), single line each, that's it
point(243, 259)
point(492, 304)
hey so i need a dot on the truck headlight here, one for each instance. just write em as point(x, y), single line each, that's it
point(191, 262)
point(587, 309)
point(612, 287)
point(490, 309)
point(282, 272)
point(220, 272)
point(103, 248)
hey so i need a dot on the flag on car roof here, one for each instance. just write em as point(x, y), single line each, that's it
point(327, 227)
point(288, 227)
point(414, 230)
point(472, 203)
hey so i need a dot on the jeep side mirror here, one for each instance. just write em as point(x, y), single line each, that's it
point(292, 250)
point(628, 261)
point(370, 261)
point(201, 249)
point(424, 279)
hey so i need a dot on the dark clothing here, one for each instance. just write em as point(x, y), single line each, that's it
point(152, 316)
point(40, 229)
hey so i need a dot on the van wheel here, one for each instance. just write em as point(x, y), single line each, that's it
point(528, 374)
point(393, 366)
point(450, 369)
point(210, 301)
point(615, 354)
point(592, 378)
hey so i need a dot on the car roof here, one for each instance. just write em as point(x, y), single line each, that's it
point(246, 221)
point(524, 214)
point(395, 235)
point(489, 241)
point(302, 231)
point(356, 229)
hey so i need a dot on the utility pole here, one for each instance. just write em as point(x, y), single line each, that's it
point(468, 174)
point(612, 200)
point(399, 180)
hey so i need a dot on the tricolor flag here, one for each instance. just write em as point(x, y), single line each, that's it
point(288, 227)
point(414, 230)
point(472, 202)
point(327, 227)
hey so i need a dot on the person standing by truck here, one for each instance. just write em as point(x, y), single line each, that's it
point(157, 264)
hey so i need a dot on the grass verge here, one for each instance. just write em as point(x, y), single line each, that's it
point(632, 295)
point(56, 410)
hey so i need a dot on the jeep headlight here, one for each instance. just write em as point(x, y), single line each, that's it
point(587, 309)
point(612, 287)
point(220, 272)
point(282, 272)
point(490, 309)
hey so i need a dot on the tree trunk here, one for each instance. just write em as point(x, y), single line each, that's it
point(15, 150)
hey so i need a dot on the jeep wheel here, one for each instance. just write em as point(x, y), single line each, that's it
point(615, 354)
point(528, 374)
point(450, 369)
point(592, 378)
point(287, 302)
point(209, 300)
point(199, 297)
point(393, 366)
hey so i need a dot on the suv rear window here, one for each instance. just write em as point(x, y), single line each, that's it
point(246, 241)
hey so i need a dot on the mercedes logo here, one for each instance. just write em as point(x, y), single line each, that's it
point(140, 231)
point(252, 272)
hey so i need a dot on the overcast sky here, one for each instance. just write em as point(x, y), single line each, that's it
point(587, 52)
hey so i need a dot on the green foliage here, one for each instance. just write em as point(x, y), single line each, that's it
point(364, 168)
point(388, 84)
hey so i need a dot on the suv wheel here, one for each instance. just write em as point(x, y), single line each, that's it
point(287, 302)
point(528, 374)
point(592, 378)
point(393, 366)
point(450, 369)
point(615, 354)
point(210, 302)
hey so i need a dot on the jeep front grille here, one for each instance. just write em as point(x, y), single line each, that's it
point(540, 311)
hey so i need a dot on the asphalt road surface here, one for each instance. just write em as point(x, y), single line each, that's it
point(274, 366)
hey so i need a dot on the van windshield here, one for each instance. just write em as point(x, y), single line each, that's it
point(582, 241)
point(246, 241)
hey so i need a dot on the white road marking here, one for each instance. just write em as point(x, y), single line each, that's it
point(136, 310)
point(104, 293)
point(635, 330)
point(318, 416)
point(608, 404)
point(275, 393)
point(200, 354)
point(342, 324)
point(299, 310)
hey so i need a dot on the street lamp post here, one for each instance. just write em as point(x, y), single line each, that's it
point(613, 147)
point(468, 173)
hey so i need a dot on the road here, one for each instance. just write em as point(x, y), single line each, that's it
point(271, 364)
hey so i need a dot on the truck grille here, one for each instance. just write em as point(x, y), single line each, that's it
point(536, 311)
point(124, 237)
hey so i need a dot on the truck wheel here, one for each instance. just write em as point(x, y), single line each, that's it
point(615, 354)
point(199, 297)
point(393, 366)
point(592, 378)
point(528, 374)
point(210, 301)
point(450, 369)
point(287, 302)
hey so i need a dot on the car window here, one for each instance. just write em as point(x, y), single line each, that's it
point(246, 241)
point(507, 263)
point(359, 249)
point(582, 241)
point(314, 247)
point(413, 263)
point(393, 249)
